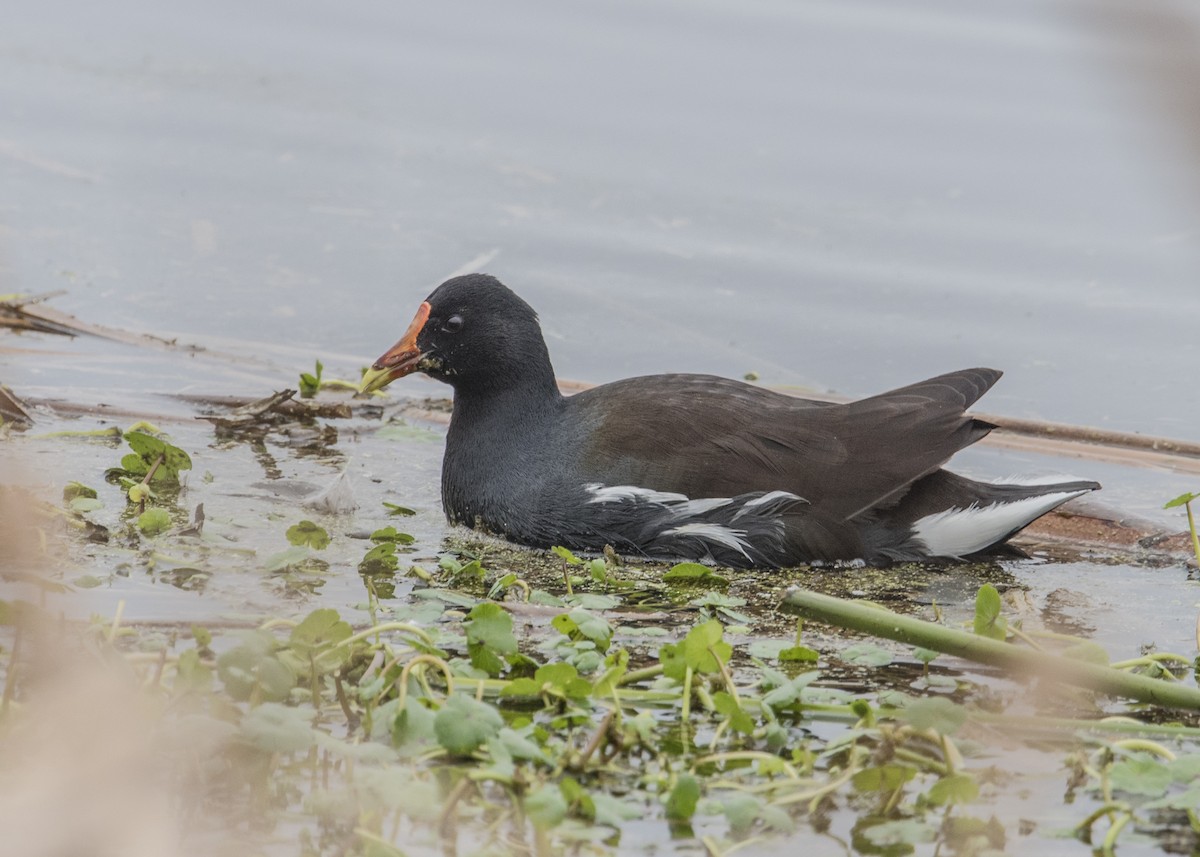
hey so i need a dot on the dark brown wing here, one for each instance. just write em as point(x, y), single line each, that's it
point(703, 436)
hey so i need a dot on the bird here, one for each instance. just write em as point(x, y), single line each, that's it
point(699, 467)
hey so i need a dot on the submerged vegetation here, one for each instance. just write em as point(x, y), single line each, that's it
point(464, 723)
point(486, 700)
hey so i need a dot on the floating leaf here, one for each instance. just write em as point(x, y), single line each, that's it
point(729, 708)
point(579, 624)
point(285, 559)
point(867, 654)
point(681, 802)
point(1186, 801)
point(77, 489)
point(562, 680)
point(953, 790)
point(412, 728)
point(900, 834)
point(252, 669)
point(146, 450)
point(612, 811)
point(463, 724)
point(278, 728)
point(741, 811)
point(693, 572)
point(1140, 776)
point(308, 533)
point(489, 636)
point(546, 807)
point(988, 621)
point(699, 650)
point(380, 559)
point(391, 534)
point(315, 640)
point(616, 665)
point(490, 625)
point(154, 521)
point(936, 713)
point(788, 691)
point(704, 648)
point(883, 778)
point(594, 601)
point(520, 747)
point(394, 509)
point(801, 654)
point(1186, 769)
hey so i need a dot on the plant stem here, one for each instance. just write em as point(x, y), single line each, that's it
point(916, 632)
point(1192, 530)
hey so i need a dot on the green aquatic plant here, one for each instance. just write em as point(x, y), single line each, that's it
point(308, 533)
point(312, 383)
point(489, 710)
point(1185, 500)
point(153, 461)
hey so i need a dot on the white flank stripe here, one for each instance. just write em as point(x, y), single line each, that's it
point(621, 493)
point(1047, 479)
point(769, 497)
point(958, 532)
point(713, 533)
point(698, 507)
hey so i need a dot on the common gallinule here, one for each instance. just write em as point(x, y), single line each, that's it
point(695, 466)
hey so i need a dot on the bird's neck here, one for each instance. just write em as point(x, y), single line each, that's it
point(509, 388)
point(494, 448)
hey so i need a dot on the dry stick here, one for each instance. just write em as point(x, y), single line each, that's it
point(162, 456)
point(883, 623)
point(597, 738)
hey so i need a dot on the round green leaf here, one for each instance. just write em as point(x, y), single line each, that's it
point(464, 723)
point(154, 521)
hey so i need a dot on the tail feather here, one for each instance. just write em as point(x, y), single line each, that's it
point(946, 515)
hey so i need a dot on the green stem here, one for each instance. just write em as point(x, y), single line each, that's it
point(1192, 530)
point(687, 697)
point(634, 676)
point(1145, 746)
point(905, 629)
point(1084, 828)
point(1110, 839)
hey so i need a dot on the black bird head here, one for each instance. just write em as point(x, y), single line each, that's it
point(472, 332)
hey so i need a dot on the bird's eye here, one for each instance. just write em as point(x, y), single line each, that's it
point(453, 324)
